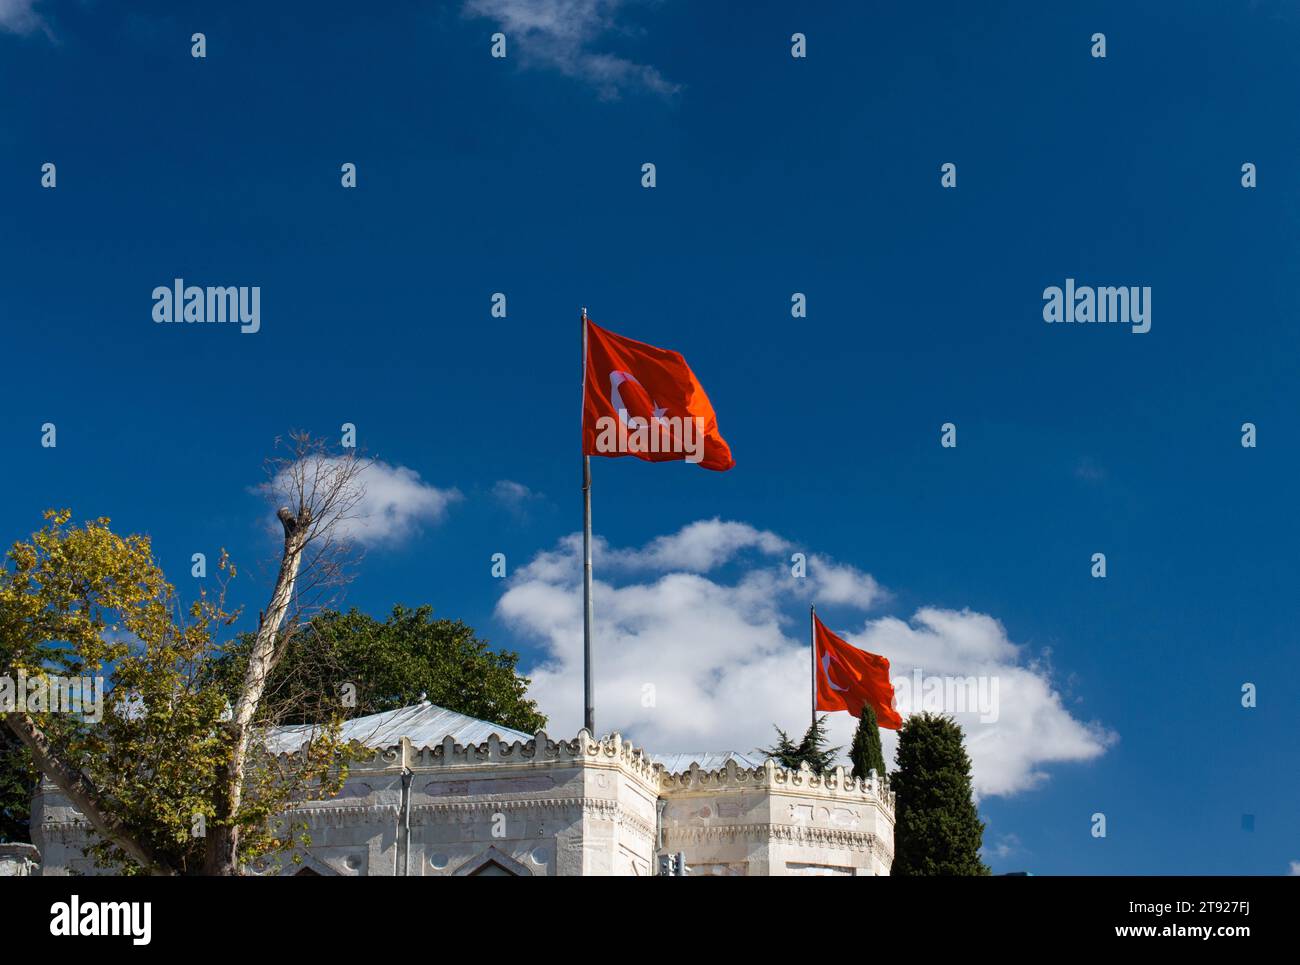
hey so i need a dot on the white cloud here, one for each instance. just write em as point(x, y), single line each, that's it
point(843, 584)
point(559, 34)
point(512, 493)
point(708, 544)
point(1032, 726)
point(393, 501)
point(396, 501)
point(1004, 847)
point(515, 498)
point(20, 17)
point(697, 548)
point(1295, 868)
point(728, 658)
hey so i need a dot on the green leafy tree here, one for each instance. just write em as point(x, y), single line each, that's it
point(812, 750)
point(149, 765)
point(18, 777)
point(937, 830)
point(865, 751)
point(385, 665)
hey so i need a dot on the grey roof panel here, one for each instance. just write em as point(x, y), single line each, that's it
point(708, 760)
point(425, 724)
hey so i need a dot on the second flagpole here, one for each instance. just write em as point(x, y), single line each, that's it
point(812, 643)
point(589, 699)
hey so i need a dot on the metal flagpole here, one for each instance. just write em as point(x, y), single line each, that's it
point(812, 640)
point(589, 715)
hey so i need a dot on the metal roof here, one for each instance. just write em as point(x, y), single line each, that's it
point(708, 760)
point(425, 724)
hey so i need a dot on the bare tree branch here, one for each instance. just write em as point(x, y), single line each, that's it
point(320, 493)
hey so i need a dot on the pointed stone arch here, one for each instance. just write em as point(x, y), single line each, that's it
point(490, 862)
point(309, 867)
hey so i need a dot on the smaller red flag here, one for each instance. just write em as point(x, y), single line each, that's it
point(849, 678)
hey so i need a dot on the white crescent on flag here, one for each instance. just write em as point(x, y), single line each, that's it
point(826, 669)
point(615, 380)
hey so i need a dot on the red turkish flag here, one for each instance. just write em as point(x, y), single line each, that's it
point(848, 678)
point(643, 401)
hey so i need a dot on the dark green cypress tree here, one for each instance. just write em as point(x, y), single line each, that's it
point(937, 830)
point(865, 752)
point(812, 750)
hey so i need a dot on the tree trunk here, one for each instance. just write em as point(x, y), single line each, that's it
point(222, 853)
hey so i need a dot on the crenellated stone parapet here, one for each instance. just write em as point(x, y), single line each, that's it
point(834, 782)
point(541, 749)
point(770, 820)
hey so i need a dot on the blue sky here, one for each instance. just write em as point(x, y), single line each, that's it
point(775, 175)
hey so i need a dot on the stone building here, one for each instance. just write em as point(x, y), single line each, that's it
point(19, 860)
point(445, 794)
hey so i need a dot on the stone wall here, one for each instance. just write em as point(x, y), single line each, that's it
point(772, 821)
point(19, 860)
point(547, 807)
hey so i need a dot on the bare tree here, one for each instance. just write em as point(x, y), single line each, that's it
point(319, 495)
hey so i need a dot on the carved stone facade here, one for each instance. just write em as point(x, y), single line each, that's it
point(19, 861)
point(771, 821)
point(538, 806)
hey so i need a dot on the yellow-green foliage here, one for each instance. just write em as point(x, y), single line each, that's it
point(83, 601)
